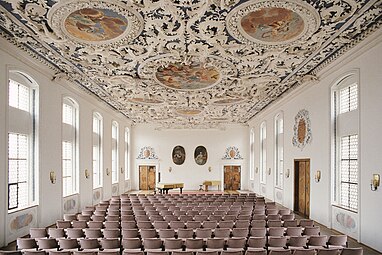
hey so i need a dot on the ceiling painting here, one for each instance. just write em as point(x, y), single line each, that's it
point(188, 64)
point(93, 24)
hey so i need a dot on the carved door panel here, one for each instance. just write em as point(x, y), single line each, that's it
point(146, 177)
point(151, 178)
point(232, 177)
point(302, 187)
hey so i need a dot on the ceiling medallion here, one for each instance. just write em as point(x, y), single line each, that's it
point(190, 73)
point(273, 23)
point(142, 100)
point(95, 22)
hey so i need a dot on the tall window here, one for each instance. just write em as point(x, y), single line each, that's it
point(263, 153)
point(97, 150)
point(22, 141)
point(69, 147)
point(127, 156)
point(114, 152)
point(279, 150)
point(345, 110)
point(252, 154)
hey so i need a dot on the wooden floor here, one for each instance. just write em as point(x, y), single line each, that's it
point(324, 230)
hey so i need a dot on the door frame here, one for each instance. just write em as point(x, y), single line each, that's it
point(231, 164)
point(147, 163)
point(296, 183)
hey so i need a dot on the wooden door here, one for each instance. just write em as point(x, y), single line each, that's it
point(302, 187)
point(146, 177)
point(232, 177)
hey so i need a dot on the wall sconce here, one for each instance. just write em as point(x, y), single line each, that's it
point(122, 170)
point(209, 169)
point(52, 177)
point(269, 171)
point(107, 171)
point(87, 174)
point(375, 182)
point(287, 173)
point(170, 169)
point(317, 176)
point(256, 170)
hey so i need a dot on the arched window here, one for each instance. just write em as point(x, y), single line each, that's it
point(22, 141)
point(127, 156)
point(70, 126)
point(97, 150)
point(263, 153)
point(114, 152)
point(345, 142)
point(279, 150)
point(252, 154)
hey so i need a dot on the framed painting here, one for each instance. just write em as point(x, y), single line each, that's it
point(178, 155)
point(200, 155)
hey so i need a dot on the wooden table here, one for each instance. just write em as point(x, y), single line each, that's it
point(211, 183)
point(164, 187)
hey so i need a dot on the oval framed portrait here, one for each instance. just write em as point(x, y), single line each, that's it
point(200, 155)
point(178, 155)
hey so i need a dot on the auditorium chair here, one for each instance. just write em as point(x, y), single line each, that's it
point(256, 243)
point(215, 244)
point(236, 243)
point(352, 251)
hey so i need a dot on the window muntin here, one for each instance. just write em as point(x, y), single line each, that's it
point(279, 150)
point(114, 153)
point(263, 153)
point(18, 170)
point(97, 150)
point(22, 143)
point(70, 155)
point(348, 98)
point(349, 172)
point(19, 96)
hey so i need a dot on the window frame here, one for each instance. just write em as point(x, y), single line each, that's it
point(30, 131)
point(279, 145)
point(252, 154)
point(351, 118)
point(127, 153)
point(114, 152)
point(263, 153)
point(97, 138)
point(72, 138)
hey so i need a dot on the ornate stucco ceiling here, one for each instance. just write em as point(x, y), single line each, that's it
point(188, 63)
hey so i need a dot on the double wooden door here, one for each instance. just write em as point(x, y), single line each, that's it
point(146, 177)
point(232, 177)
point(302, 187)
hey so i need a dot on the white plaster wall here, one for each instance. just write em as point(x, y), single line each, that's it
point(50, 206)
point(215, 141)
point(315, 97)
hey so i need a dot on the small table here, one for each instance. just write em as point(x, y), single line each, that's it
point(211, 183)
point(165, 187)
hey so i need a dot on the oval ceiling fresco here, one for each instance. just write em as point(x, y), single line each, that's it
point(178, 155)
point(95, 24)
point(200, 155)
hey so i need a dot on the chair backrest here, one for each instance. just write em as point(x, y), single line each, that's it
point(126, 252)
point(224, 252)
point(170, 244)
point(240, 232)
point(68, 243)
point(152, 243)
point(93, 232)
point(215, 243)
point(148, 233)
point(26, 243)
point(328, 252)
point(297, 241)
point(131, 243)
point(203, 232)
point(236, 242)
point(196, 243)
point(109, 243)
point(38, 232)
point(128, 224)
point(258, 223)
point(111, 233)
point(95, 224)
point(338, 240)
point(166, 233)
point(311, 230)
point(56, 232)
point(305, 252)
point(79, 224)
point(257, 242)
point(194, 224)
point(226, 224)
point(276, 231)
point(89, 243)
point(130, 232)
point(47, 243)
point(352, 251)
point(317, 240)
point(185, 233)
point(277, 241)
point(293, 231)
point(256, 252)
point(280, 252)
point(112, 224)
point(222, 232)
point(258, 231)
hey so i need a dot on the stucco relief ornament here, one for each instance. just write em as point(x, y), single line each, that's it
point(302, 129)
point(147, 152)
point(232, 152)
